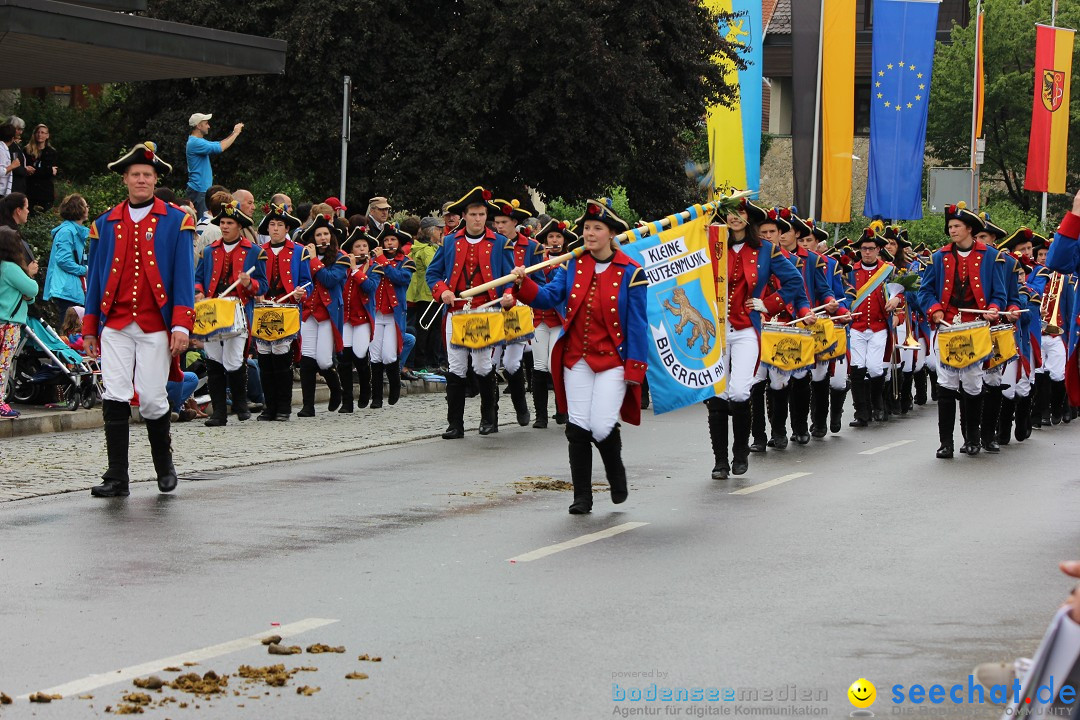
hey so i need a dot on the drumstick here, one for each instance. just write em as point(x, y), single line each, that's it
point(976, 311)
point(627, 236)
point(295, 290)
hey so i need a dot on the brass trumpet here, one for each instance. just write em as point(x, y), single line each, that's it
point(1050, 306)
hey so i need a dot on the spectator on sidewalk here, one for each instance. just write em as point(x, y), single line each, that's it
point(17, 290)
point(41, 159)
point(212, 231)
point(7, 163)
point(19, 173)
point(71, 329)
point(199, 150)
point(179, 391)
point(14, 212)
point(67, 259)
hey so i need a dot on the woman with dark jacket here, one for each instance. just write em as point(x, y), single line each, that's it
point(65, 279)
point(41, 159)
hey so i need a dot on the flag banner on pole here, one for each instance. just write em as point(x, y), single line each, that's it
point(902, 64)
point(837, 109)
point(687, 329)
point(735, 132)
point(980, 77)
point(1049, 140)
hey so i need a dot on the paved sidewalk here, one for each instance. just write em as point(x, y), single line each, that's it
point(36, 465)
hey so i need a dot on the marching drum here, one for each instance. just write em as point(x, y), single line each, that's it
point(1004, 339)
point(826, 339)
point(518, 323)
point(476, 329)
point(219, 319)
point(786, 348)
point(272, 322)
point(964, 344)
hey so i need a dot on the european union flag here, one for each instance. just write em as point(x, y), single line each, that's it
point(903, 61)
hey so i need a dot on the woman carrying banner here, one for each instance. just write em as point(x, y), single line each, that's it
point(600, 360)
point(751, 264)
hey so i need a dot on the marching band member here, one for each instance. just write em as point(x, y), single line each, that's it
point(230, 258)
point(992, 394)
point(285, 268)
point(323, 313)
point(870, 330)
point(1017, 379)
point(1062, 257)
point(506, 218)
point(548, 324)
point(898, 247)
point(828, 384)
point(603, 348)
point(357, 329)
point(140, 301)
point(819, 291)
point(920, 324)
point(752, 264)
point(964, 273)
point(394, 271)
point(472, 255)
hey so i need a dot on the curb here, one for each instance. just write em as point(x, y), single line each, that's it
point(67, 420)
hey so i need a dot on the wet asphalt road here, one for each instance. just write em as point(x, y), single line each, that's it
point(892, 566)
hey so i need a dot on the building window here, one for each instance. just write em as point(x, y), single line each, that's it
point(862, 107)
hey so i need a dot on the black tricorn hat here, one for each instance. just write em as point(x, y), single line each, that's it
point(320, 221)
point(960, 212)
point(754, 213)
point(145, 153)
point(998, 233)
point(817, 232)
point(273, 211)
point(603, 211)
point(556, 226)
point(389, 229)
point(511, 209)
point(781, 217)
point(477, 196)
point(1022, 235)
point(870, 235)
point(799, 225)
point(232, 211)
point(360, 232)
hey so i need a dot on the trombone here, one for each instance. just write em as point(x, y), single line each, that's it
point(1050, 305)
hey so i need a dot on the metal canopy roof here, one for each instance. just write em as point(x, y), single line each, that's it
point(45, 42)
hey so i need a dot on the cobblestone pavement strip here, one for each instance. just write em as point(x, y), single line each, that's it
point(38, 465)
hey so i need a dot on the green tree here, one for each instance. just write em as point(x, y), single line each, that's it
point(562, 96)
point(1009, 57)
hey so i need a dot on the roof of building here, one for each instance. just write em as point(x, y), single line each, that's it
point(780, 23)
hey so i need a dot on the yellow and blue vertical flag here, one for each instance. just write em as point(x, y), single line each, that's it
point(903, 62)
point(735, 132)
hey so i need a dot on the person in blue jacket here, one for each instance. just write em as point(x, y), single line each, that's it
point(387, 309)
point(66, 276)
point(323, 312)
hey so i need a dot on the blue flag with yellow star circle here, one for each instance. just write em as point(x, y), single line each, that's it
point(903, 61)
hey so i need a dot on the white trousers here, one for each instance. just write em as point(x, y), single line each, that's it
point(838, 379)
point(358, 339)
point(593, 399)
point(993, 377)
point(1053, 355)
point(228, 352)
point(1017, 381)
point(740, 361)
point(458, 358)
point(317, 341)
point(383, 348)
point(511, 356)
point(778, 379)
point(969, 378)
point(544, 338)
point(134, 361)
point(274, 347)
point(868, 350)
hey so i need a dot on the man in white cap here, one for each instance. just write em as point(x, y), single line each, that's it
point(199, 150)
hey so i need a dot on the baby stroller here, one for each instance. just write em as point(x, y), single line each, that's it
point(46, 370)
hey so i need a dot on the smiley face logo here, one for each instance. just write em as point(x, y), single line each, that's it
point(862, 693)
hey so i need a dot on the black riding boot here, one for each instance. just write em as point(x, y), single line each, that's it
point(1041, 412)
point(611, 453)
point(489, 404)
point(393, 380)
point(718, 436)
point(283, 382)
point(905, 392)
point(777, 401)
point(238, 380)
point(333, 382)
point(527, 366)
point(946, 421)
point(971, 421)
point(819, 408)
point(308, 370)
point(157, 431)
point(116, 415)
point(757, 416)
point(836, 409)
point(345, 373)
point(860, 397)
point(376, 385)
point(799, 404)
point(455, 407)
point(740, 436)
point(934, 388)
point(516, 381)
point(1005, 421)
point(1023, 418)
point(920, 386)
point(646, 397)
point(1059, 404)
point(540, 398)
point(580, 441)
point(215, 384)
point(877, 398)
point(363, 382)
point(269, 379)
point(991, 410)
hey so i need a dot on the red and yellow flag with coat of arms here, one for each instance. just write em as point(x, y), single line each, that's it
point(1049, 140)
